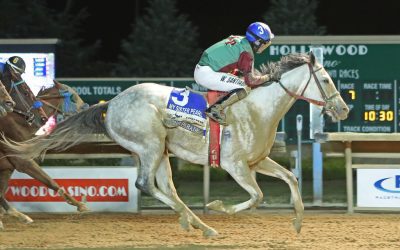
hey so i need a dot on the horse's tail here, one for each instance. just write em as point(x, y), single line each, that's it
point(72, 131)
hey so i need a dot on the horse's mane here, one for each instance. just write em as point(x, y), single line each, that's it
point(45, 89)
point(287, 63)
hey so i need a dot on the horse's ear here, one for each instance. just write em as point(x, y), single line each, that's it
point(57, 84)
point(312, 58)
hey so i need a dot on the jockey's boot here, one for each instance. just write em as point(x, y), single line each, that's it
point(216, 111)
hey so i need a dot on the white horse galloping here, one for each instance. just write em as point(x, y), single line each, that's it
point(134, 119)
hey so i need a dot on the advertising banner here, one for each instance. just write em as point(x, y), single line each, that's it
point(103, 189)
point(378, 188)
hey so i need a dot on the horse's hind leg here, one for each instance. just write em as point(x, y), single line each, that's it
point(141, 131)
point(166, 185)
point(32, 169)
point(5, 175)
point(271, 168)
point(146, 183)
point(2, 213)
point(241, 172)
point(151, 158)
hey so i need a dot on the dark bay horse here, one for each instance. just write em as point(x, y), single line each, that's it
point(135, 119)
point(20, 125)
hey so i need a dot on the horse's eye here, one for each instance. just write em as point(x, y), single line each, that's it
point(326, 81)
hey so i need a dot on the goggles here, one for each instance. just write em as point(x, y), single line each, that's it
point(263, 45)
point(16, 69)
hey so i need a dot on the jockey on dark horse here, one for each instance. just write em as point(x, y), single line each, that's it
point(13, 68)
point(228, 66)
point(14, 65)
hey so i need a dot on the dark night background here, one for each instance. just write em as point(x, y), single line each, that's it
point(111, 21)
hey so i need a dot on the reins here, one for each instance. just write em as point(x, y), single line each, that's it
point(56, 108)
point(61, 96)
point(301, 96)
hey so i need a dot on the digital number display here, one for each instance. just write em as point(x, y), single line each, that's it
point(378, 116)
point(372, 106)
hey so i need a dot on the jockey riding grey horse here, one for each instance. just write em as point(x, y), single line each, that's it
point(134, 119)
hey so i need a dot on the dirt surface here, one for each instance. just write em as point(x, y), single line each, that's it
point(248, 230)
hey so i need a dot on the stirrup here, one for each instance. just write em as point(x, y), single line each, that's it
point(217, 116)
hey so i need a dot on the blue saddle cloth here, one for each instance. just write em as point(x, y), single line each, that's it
point(187, 109)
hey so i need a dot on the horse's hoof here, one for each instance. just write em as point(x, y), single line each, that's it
point(26, 219)
point(210, 233)
point(83, 208)
point(229, 210)
point(216, 205)
point(297, 224)
point(20, 216)
point(1, 226)
point(184, 222)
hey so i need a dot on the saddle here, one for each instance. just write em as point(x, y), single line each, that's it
point(186, 110)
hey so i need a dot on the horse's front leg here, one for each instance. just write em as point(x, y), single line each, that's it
point(241, 173)
point(271, 168)
point(32, 169)
point(5, 175)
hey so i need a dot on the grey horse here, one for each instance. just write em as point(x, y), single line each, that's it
point(135, 120)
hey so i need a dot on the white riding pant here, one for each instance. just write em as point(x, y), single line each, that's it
point(208, 78)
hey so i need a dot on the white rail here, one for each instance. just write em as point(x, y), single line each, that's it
point(361, 146)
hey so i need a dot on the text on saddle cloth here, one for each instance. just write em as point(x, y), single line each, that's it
point(185, 109)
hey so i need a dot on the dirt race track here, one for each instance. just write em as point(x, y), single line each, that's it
point(247, 230)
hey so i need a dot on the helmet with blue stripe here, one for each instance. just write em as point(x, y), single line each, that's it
point(259, 31)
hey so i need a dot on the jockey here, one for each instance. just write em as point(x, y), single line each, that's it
point(229, 66)
point(14, 65)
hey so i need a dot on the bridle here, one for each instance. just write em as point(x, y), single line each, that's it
point(65, 105)
point(28, 114)
point(326, 100)
point(56, 108)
